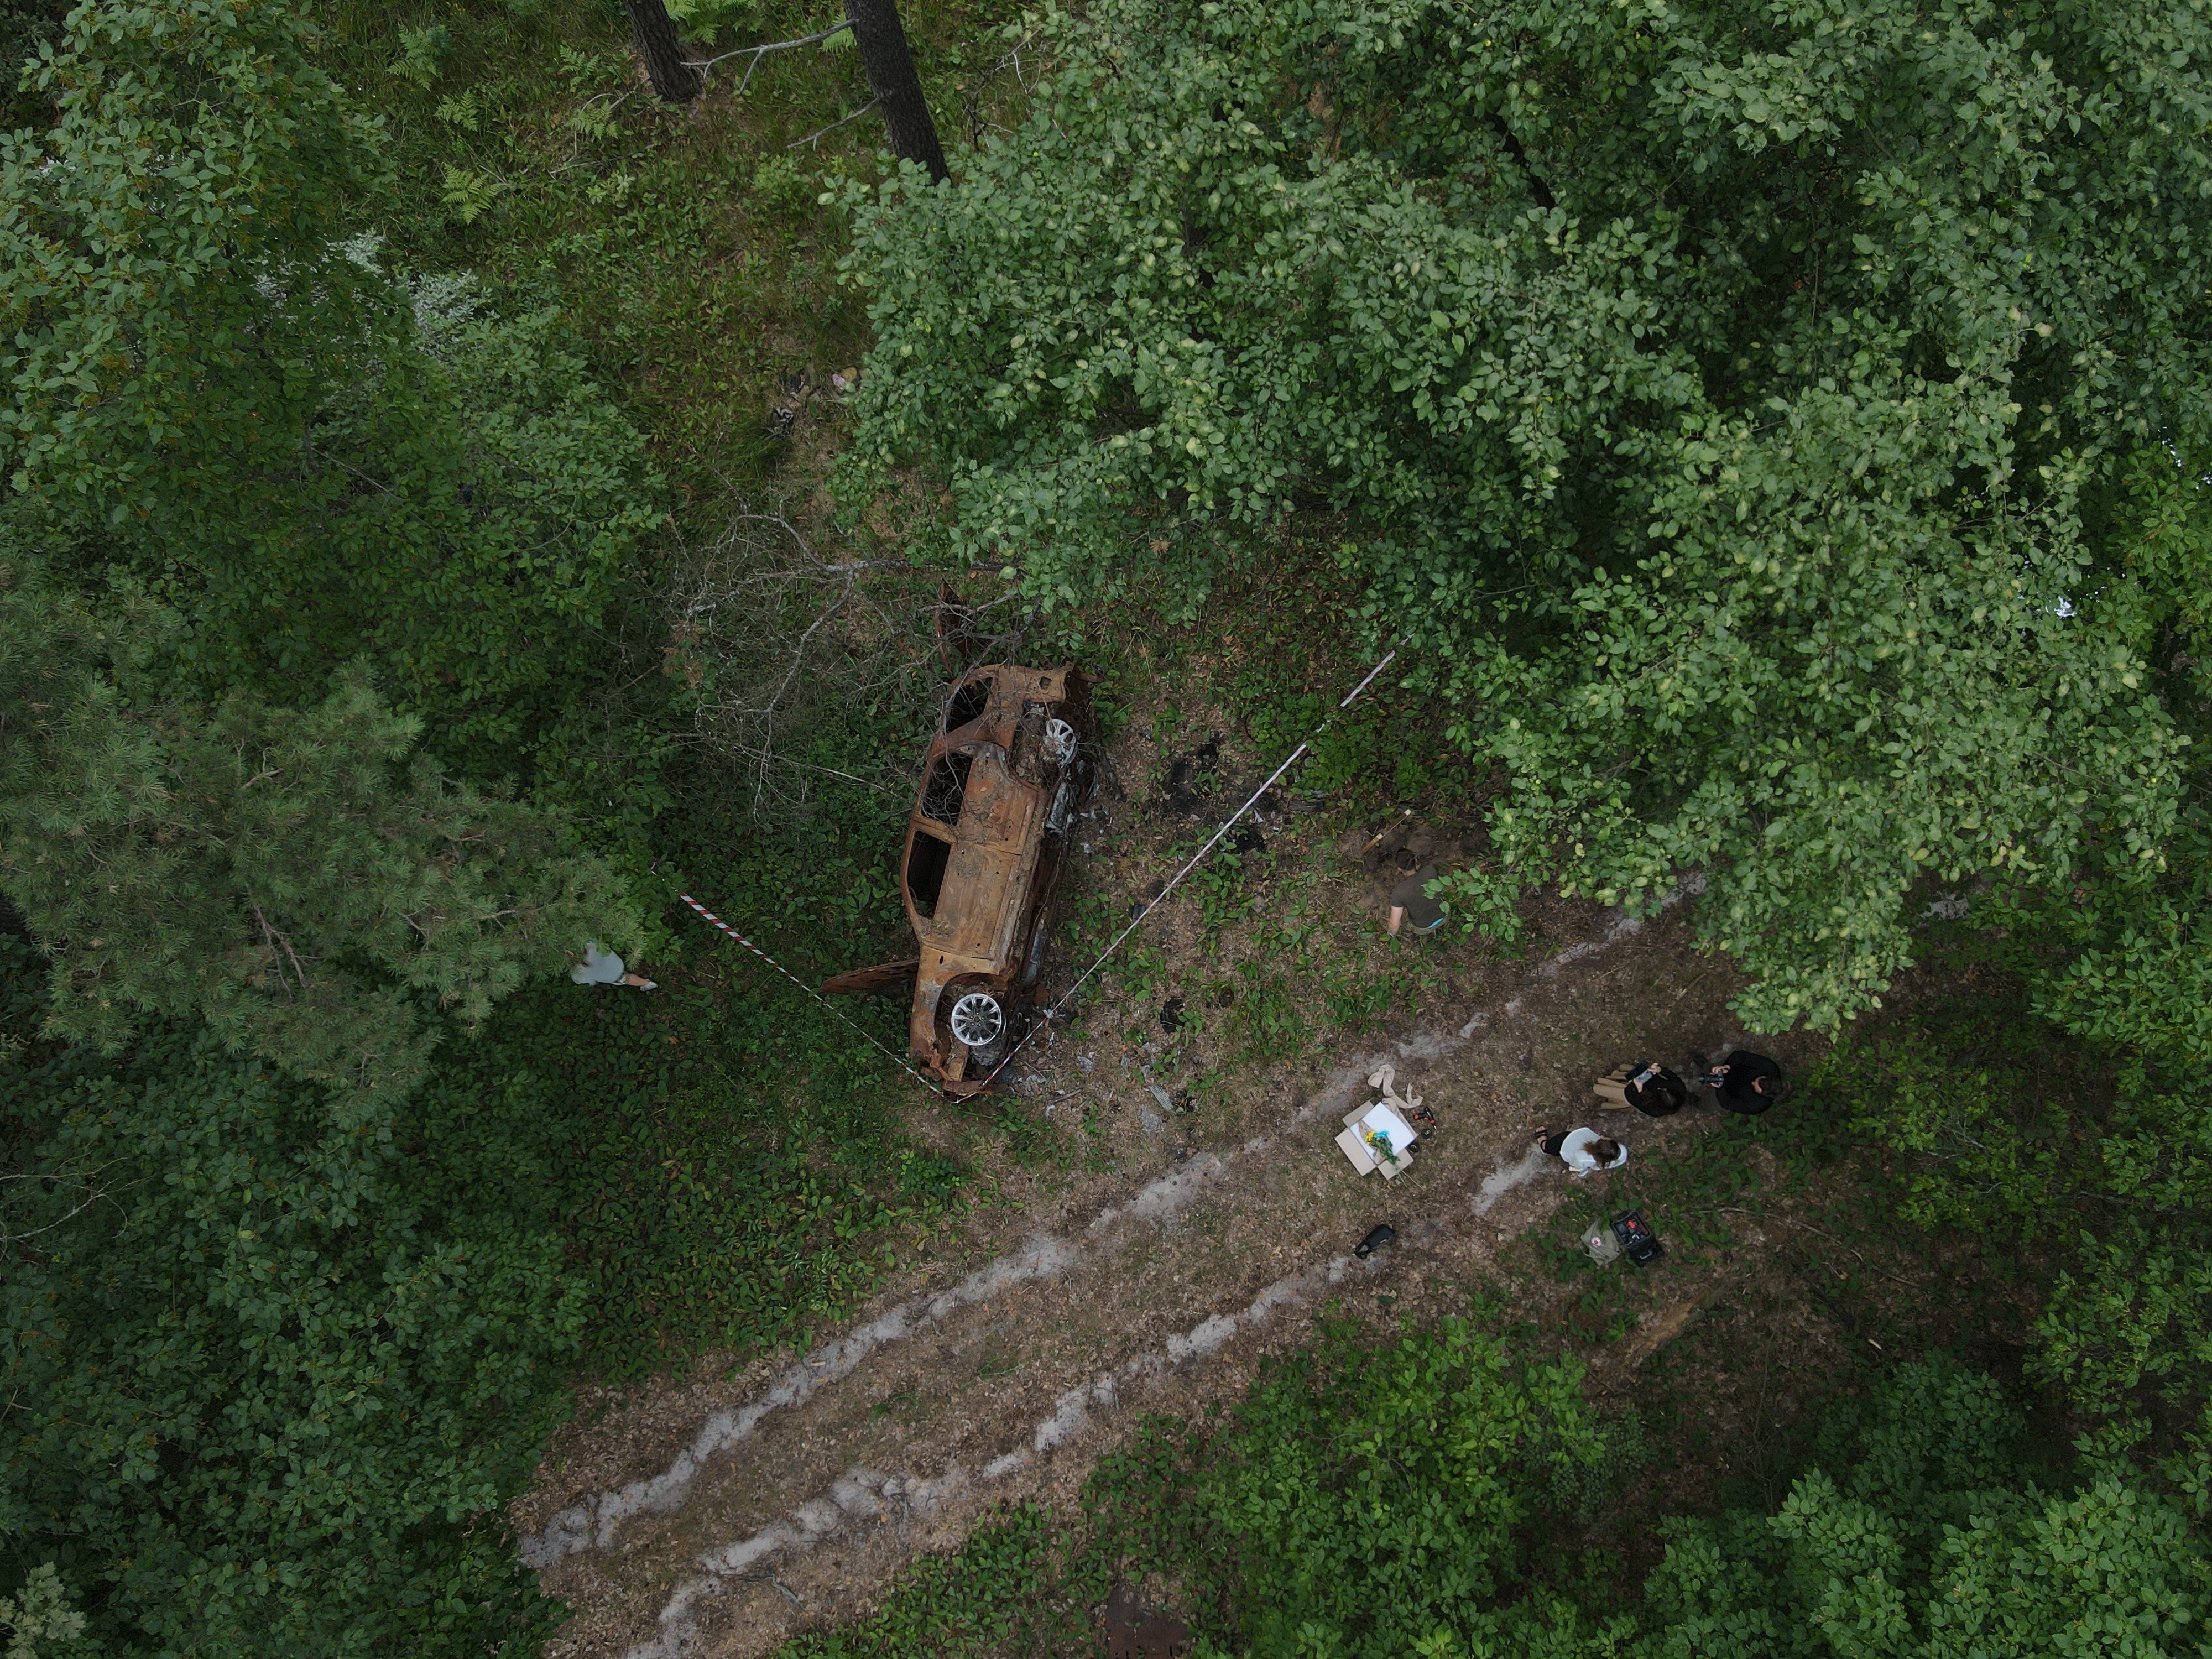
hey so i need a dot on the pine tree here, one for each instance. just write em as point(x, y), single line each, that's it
point(305, 879)
point(654, 33)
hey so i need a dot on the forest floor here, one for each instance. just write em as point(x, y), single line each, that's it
point(1131, 1258)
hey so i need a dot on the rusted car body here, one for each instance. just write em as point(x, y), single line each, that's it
point(986, 846)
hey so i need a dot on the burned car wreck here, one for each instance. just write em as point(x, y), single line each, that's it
point(986, 846)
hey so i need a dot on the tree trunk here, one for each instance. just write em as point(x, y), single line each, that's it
point(891, 77)
point(675, 80)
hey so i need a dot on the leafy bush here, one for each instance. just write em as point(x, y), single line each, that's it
point(2016, 1104)
point(213, 384)
point(1929, 1543)
point(1363, 1498)
point(1320, 1524)
point(780, 186)
point(275, 517)
point(269, 1386)
point(2105, 1140)
point(1371, 1500)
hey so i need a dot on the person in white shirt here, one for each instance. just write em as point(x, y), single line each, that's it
point(1584, 1151)
point(605, 967)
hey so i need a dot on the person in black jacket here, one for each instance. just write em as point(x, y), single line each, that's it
point(1647, 1086)
point(1744, 1082)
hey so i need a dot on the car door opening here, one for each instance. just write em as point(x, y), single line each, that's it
point(967, 703)
point(947, 789)
point(925, 871)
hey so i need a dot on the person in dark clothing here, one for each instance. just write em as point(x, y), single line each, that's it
point(1744, 1082)
point(1409, 900)
point(1647, 1086)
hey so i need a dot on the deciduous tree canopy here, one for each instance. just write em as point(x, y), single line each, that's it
point(214, 384)
point(1729, 400)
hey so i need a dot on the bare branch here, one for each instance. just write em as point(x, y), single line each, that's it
point(84, 1182)
point(277, 941)
point(825, 132)
point(758, 52)
point(92, 1196)
point(776, 634)
point(849, 777)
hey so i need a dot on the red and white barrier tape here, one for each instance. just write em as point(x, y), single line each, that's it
point(712, 920)
point(1159, 898)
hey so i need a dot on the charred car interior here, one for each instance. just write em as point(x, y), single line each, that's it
point(986, 846)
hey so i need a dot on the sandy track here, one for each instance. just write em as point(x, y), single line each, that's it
point(715, 1519)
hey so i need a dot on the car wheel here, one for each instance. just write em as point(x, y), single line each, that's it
point(978, 1022)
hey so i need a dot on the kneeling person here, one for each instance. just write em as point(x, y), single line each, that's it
point(1409, 900)
point(1647, 1086)
point(1584, 1151)
point(1744, 1082)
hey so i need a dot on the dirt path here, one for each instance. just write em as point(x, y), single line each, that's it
point(714, 1519)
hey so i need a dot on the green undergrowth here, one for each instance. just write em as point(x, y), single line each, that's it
point(1278, 973)
point(723, 1157)
point(1276, 978)
point(1854, 1225)
point(706, 1199)
point(1361, 1463)
point(1431, 1492)
point(1777, 1170)
point(687, 244)
point(1279, 655)
point(1021, 1583)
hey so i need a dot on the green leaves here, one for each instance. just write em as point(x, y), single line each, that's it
point(1926, 1544)
point(260, 1385)
point(1717, 398)
point(1367, 1500)
point(421, 50)
point(155, 243)
point(290, 875)
point(212, 384)
point(39, 1618)
point(469, 194)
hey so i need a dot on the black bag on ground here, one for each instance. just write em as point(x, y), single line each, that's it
point(1637, 1241)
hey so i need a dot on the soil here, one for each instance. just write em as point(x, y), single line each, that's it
point(1155, 1256)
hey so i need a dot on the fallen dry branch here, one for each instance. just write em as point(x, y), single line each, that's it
point(773, 633)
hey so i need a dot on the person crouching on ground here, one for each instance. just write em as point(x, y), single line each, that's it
point(1647, 1086)
point(605, 967)
point(1409, 900)
point(1744, 1082)
point(1584, 1151)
